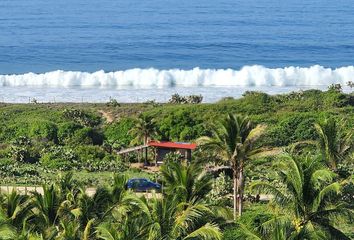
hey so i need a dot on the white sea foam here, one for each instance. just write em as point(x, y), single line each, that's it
point(153, 78)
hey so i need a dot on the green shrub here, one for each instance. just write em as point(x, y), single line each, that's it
point(222, 186)
point(11, 170)
point(81, 117)
point(94, 158)
point(252, 218)
point(43, 130)
point(290, 129)
point(5, 151)
point(22, 150)
point(59, 158)
point(117, 132)
point(87, 136)
point(66, 131)
point(112, 103)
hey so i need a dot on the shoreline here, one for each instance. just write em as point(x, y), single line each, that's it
point(20, 95)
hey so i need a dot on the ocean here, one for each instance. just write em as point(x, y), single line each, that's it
point(83, 50)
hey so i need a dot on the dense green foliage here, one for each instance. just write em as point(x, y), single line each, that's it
point(65, 210)
point(305, 195)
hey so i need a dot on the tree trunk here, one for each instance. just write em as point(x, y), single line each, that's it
point(240, 191)
point(235, 193)
point(146, 150)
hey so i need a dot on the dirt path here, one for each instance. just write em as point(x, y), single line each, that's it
point(28, 190)
point(89, 191)
point(107, 115)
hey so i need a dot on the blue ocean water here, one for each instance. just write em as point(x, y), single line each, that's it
point(86, 36)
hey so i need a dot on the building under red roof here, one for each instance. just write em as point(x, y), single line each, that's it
point(164, 148)
point(175, 145)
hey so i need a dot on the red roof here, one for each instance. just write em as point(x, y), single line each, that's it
point(176, 145)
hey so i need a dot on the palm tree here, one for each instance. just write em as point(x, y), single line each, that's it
point(308, 200)
point(120, 230)
point(7, 231)
point(335, 145)
point(143, 130)
point(70, 231)
point(47, 206)
point(18, 208)
point(189, 183)
point(233, 140)
point(180, 213)
point(168, 218)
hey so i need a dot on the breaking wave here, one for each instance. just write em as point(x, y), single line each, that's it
point(149, 78)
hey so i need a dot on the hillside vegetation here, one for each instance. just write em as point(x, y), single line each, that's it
point(289, 169)
point(51, 137)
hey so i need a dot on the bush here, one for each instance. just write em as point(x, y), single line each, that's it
point(86, 136)
point(252, 218)
point(293, 128)
point(181, 125)
point(335, 88)
point(11, 170)
point(83, 118)
point(59, 158)
point(66, 131)
point(22, 150)
point(93, 158)
point(222, 186)
point(117, 132)
point(192, 99)
point(112, 103)
point(44, 131)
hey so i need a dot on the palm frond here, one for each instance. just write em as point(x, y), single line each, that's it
point(267, 188)
point(209, 231)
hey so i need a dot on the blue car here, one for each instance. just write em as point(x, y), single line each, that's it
point(142, 185)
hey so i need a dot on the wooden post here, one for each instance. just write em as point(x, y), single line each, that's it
point(155, 153)
point(138, 153)
point(189, 155)
point(146, 156)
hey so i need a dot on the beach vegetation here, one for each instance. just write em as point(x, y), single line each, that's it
point(285, 161)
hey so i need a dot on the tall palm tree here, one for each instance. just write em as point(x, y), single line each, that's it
point(307, 200)
point(143, 130)
point(335, 145)
point(233, 140)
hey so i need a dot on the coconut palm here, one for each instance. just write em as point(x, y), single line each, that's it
point(121, 229)
point(233, 140)
point(180, 213)
point(308, 200)
point(144, 128)
point(70, 231)
point(47, 206)
point(7, 231)
point(168, 218)
point(92, 207)
point(18, 208)
point(335, 145)
point(189, 183)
